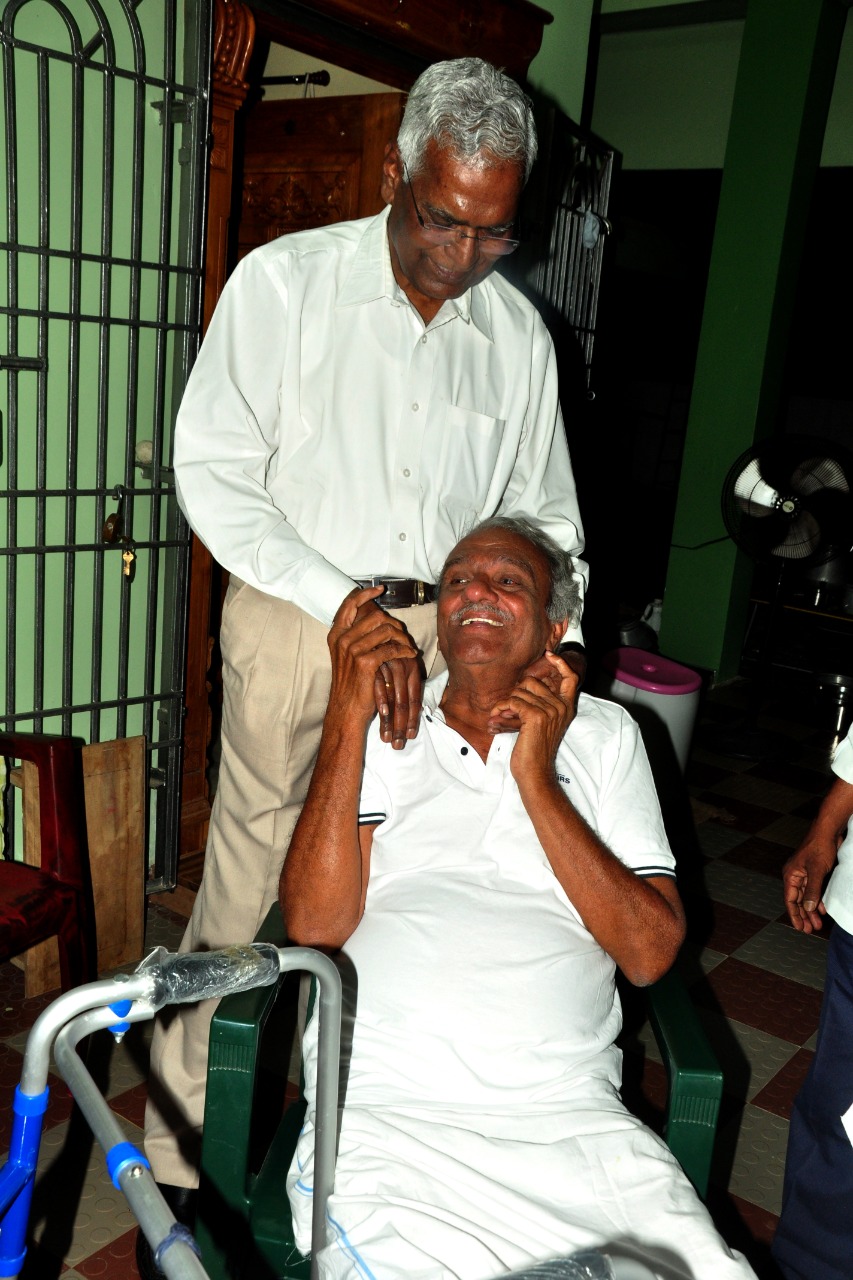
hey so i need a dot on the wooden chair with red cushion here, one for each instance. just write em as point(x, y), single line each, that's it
point(55, 898)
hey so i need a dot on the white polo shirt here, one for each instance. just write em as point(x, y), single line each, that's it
point(838, 898)
point(477, 982)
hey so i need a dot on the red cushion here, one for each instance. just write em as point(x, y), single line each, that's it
point(32, 906)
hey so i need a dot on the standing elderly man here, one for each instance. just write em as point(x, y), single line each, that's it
point(482, 888)
point(364, 393)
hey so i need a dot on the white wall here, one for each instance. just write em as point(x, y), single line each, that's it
point(287, 62)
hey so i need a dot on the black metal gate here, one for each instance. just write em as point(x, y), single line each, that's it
point(102, 182)
point(565, 225)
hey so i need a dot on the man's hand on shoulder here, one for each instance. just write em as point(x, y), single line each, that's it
point(541, 708)
point(398, 684)
point(363, 641)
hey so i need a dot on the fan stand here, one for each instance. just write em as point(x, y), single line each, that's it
point(787, 500)
point(743, 740)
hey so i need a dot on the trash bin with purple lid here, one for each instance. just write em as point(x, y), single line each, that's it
point(670, 691)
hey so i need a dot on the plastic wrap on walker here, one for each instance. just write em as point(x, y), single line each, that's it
point(589, 1265)
point(200, 975)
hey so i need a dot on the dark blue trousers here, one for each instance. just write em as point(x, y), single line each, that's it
point(814, 1239)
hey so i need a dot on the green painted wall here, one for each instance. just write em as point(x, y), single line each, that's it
point(785, 81)
point(114, 410)
point(559, 69)
point(664, 97)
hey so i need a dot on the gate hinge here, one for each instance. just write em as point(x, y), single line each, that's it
point(176, 111)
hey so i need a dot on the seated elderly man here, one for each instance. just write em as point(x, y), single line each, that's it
point(481, 887)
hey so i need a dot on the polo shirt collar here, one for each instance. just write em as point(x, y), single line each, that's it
point(433, 693)
point(371, 277)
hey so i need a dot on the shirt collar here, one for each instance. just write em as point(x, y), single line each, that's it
point(433, 693)
point(371, 276)
point(367, 279)
point(499, 752)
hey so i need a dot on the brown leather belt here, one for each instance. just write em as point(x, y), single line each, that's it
point(400, 593)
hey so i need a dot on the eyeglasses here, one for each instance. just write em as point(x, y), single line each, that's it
point(442, 234)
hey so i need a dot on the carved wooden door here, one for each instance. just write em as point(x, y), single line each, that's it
point(311, 161)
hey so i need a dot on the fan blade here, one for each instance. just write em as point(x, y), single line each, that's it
point(814, 474)
point(801, 540)
point(760, 535)
point(754, 496)
point(833, 511)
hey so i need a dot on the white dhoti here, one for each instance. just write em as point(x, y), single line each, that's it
point(423, 1196)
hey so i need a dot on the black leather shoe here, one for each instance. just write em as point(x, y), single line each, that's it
point(182, 1202)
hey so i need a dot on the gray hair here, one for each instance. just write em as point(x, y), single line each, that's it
point(468, 106)
point(564, 596)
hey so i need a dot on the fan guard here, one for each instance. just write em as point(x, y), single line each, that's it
point(790, 499)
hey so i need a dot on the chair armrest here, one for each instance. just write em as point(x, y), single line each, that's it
point(694, 1076)
point(235, 1037)
point(62, 823)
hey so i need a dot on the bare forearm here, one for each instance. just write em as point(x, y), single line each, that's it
point(322, 889)
point(835, 812)
point(324, 880)
point(640, 925)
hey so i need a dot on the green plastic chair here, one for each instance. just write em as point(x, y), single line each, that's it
point(244, 1227)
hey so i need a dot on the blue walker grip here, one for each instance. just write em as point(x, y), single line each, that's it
point(30, 1104)
point(121, 1008)
point(16, 1178)
point(121, 1155)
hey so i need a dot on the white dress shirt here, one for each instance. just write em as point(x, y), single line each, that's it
point(326, 434)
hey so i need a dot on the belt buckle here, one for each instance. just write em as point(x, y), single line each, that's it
point(421, 594)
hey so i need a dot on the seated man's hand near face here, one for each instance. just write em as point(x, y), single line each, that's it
point(574, 654)
point(541, 707)
point(558, 674)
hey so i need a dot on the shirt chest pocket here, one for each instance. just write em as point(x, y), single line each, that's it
point(469, 454)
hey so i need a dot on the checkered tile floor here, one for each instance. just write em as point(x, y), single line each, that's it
point(756, 982)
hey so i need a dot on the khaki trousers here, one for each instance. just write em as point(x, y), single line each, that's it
point(276, 674)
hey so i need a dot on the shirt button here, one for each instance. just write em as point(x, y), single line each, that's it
point(415, 407)
point(402, 537)
point(406, 472)
point(463, 751)
point(424, 338)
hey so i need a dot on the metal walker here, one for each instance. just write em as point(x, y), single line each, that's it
point(113, 1004)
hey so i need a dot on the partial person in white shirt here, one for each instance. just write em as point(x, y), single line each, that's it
point(365, 393)
point(482, 887)
point(814, 1237)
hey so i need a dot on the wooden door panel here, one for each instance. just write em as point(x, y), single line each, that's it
point(311, 161)
point(289, 193)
